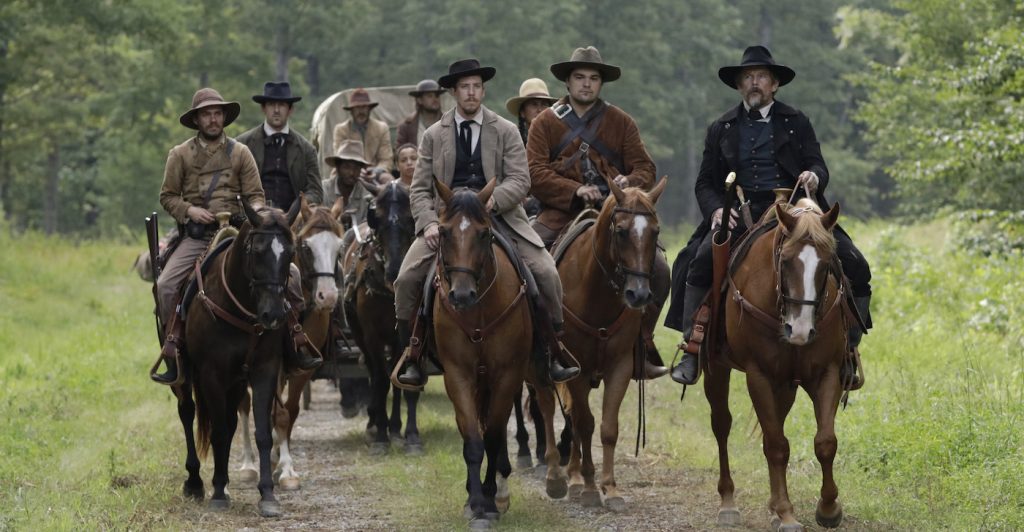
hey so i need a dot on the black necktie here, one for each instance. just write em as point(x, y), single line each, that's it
point(466, 134)
point(755, 114)
point(277, 139)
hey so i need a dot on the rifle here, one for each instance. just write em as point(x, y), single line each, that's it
point(153, 239)
point(721, 242)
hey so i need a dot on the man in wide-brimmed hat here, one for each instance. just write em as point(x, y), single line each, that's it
point(374, 134)
point(769, 145)
point(533, 98)
point(286, 160)
point(428, 110)
point(573, 147)
point(468, 147)
point(203, 176)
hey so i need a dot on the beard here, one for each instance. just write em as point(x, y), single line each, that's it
point(756, 100)
point(211, 134)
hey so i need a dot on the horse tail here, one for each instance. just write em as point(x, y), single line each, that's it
point(564, 398)
point(203, 424)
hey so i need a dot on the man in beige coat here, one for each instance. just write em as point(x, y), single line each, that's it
point(373, 133)
point(468, 147)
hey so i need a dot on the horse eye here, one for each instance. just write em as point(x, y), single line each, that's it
point(620, 231)
point(485, 234)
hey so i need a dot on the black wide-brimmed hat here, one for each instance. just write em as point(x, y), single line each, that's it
point(756, 56)
point(426, 86)
point(465, 68)
point(207, 97)
point(587, 57)
point(279, 91)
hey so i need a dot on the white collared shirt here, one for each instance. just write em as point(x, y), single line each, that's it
point(268, 131)
point(764, 111)
point(476, 121)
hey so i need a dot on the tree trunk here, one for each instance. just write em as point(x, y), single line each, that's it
point(765, 28)
point(313, 76)
point(50, 199)
point(5, 167)
point(693, 152)
point(281, 42)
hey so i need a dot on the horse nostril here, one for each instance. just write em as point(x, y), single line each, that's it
point(810, 335)
point(789, 330)
point(630, 294)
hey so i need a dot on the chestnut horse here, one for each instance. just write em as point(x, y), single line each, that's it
point(484, 336)
point(318, 234)
point(785, 326)
point(234, 339)
point(371, 312)
point(606, 274)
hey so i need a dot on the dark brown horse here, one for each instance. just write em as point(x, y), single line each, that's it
point(785, 326)
point(606, 274)
point(375, 259)
point(318, 235)
point(234, 339)
point(483, 336)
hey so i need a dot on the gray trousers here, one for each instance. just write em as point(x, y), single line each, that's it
point(413, 273)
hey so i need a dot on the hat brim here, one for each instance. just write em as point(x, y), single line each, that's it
point(448, 81)
point(334, 159)
point(261, 99)
point(728, 74)
point(371, 105)
point(231, 112)
point(514, 104)
point(609, 73)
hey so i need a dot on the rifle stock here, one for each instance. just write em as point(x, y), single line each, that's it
point(153, 239)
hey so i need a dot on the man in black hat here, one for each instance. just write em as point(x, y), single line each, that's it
point(769, 145)
point(469, 146)
point(428, 110)
point(286, 160)
point(573, 147)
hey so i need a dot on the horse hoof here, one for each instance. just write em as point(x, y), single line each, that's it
point(246, 475)
point(590, 499)
point(575, 491)
point(396, 439)
point(615, 504)
point(541, 471)
point(556, 488)
point(492, 516)
point(467, 512)
point(503, 504)
point(290, 484)
point(778, 526)
point(270, 509)
point(379, 448)
point(414, 449)
point(524, 462)
point(196, 493)
point(729, 517)
point(349, 412)
point(829, 522)
point(219, 505)
point(480, 524)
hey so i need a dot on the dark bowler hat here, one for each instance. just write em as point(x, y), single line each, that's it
point(425, 86)
point(587, 57)
point(279, 91)
point(208, 97)
point(756, 56)
point(465, 68)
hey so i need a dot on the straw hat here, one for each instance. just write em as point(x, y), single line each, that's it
point(533, 88)
point(349, 150)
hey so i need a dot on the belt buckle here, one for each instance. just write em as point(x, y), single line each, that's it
point(584, 147)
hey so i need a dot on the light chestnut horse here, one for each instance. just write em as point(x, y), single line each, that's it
point(606, 274)
point(785, 327)
point(318, 235)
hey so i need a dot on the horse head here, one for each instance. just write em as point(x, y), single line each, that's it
point(318, 236)
point(627, 234)
point(464, 250)
point(392, 224)
point(269, 246)
point(803, 265)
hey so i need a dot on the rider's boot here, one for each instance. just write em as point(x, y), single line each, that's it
point(411, 374)
point(170, 355)
point(300, 353)
point(654, 367)
point(557, 352)
point(849, 372)
point(687, 371)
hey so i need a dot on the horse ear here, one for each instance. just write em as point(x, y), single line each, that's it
point(655, 192)
point(615, 190)
point(338, 208)
point(251, 214)
point(293, 212)
point(485, 193)
point(787, 220)
point(371, 217)
point(442, 190)
point(306, 209)
point(829, 219)
point(370, 185)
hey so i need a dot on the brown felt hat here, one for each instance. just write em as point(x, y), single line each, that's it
point(349, 150)
point(531, 89)
point(587, 57)
point(359, 98)
point(207, 97)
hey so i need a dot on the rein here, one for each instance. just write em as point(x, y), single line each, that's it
point(620, 270)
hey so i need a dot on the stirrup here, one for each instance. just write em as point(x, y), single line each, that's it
point(855, 381)
point(169, 352)
point(398, 369)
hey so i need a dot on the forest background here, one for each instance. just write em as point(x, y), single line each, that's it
point(915, 102)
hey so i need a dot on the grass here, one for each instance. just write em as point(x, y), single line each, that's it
point(933, 441)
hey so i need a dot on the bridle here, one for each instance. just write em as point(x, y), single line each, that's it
point(445, 271)
point(619, 270)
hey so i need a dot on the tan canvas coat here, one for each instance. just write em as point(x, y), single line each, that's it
point(503, 158)
point(190, 169)
point(376, 143)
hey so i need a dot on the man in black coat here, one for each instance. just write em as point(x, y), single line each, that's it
point(287, 162)
point(769, 145)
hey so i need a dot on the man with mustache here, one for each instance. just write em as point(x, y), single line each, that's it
point(769, 145)
point(374, 134)
point(428, 110)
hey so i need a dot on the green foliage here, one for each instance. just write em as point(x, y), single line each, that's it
point(988, 232)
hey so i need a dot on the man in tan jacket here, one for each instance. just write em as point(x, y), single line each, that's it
point(468, 147)
point(373, 133)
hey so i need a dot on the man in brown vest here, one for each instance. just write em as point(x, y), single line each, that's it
point(572, 147)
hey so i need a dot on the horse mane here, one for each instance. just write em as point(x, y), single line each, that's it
point(808, 230)
point(465, 202)
point(636, 200)
point(395, 188)
point(320, 219)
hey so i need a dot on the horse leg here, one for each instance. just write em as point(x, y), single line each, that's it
point(772, 402)
point(496, 439)
point(413, 445)
point(555, 479)
point(247, 471)
point(716, 389)
point(538, 423)
point(264, 384)
point(523, 460)
point(565, 440)
point(378, 408)
point(395, 419)
point(462, 392)
point(582, 476)
point(616, 384)
point(284, 422)
point(193, 487)
point(825, 397)
point(223, 422)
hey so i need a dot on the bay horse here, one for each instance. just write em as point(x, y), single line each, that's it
point(318, 234)
point(785, 327)
point(484, 335)
point(375, 260)
point(233, 340)
point(606, 274)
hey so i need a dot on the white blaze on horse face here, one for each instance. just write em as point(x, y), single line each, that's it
point(639, 224)
point(325, 247)
point(804, 322)
point(277, 247)
point(464, 224)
